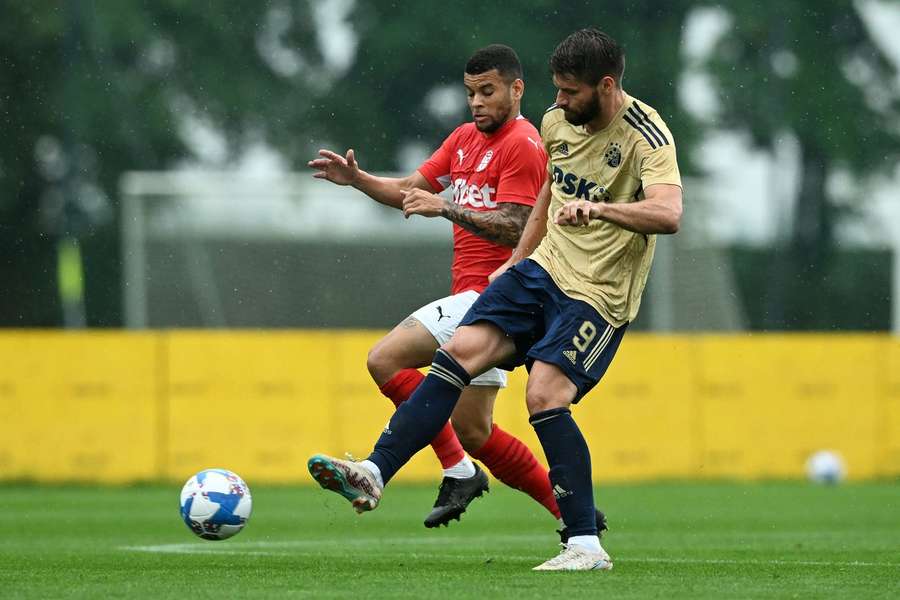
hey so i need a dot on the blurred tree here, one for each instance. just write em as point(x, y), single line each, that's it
point(93, 89)
point(409, 58)
point(810, 71)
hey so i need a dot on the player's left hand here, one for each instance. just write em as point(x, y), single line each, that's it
point(420, 202)
point(578, 212)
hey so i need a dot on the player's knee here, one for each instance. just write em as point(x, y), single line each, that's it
point(381, 365)
point(459, 350)
point(473, 434)
point(467, 351)
point(539, 399)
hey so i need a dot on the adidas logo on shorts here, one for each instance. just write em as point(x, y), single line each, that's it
point(571, 355)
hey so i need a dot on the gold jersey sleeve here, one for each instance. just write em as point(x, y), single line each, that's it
point(603, 264)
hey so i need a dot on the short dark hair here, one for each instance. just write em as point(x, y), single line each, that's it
point(496, 56)
point(589, 55)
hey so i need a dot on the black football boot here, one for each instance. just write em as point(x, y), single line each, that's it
point(454, 496)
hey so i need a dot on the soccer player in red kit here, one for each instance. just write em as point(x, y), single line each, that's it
point(495, 167)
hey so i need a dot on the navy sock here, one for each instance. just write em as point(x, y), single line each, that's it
point(419, 419)
point(570, 468)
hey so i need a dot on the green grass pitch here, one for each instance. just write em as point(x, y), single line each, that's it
point(667, 540)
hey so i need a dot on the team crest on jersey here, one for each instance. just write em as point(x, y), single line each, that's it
point(484, 161)
point(613, 155)
point(562, 149)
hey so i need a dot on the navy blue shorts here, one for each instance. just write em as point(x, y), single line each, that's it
point(547, 325)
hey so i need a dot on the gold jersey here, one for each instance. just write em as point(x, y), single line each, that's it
point(601, 263)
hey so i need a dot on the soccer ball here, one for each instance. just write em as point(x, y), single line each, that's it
point(215, 504)
point(826, 466)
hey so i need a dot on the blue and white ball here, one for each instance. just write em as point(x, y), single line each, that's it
point(826, 466)
point(215, 504)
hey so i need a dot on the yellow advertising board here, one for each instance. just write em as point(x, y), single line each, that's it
point(120, 406)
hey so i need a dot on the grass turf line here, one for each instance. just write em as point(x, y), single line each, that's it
point(697, 540)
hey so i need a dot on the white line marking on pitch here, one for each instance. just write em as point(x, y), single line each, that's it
point(195, 549)
point(775, 562)
point(316, 546)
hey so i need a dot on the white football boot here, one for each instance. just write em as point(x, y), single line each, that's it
point(347, 478)
point(577, 558)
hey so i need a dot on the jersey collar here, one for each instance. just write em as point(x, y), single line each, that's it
point(503, 128)
point(614, 121)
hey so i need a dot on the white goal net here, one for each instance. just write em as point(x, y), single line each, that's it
point(208, 249)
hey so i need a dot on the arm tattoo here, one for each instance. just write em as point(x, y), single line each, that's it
point(503, 226)
point(409, 323)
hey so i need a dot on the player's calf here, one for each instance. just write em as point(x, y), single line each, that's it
point(473, 434)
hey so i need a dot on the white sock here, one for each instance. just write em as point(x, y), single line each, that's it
point(588, 542)
point(373, 468)
point(562, 524)
point(461, 470)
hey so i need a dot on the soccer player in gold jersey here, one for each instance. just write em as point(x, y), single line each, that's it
point(560, 305)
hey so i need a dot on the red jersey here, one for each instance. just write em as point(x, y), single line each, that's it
point(509, 165)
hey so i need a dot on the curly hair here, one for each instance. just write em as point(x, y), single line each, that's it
point(496, 56)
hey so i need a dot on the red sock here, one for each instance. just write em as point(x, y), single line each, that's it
point(445, 444)
point(513, 463)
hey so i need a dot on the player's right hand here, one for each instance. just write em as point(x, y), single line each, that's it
point(335, 168)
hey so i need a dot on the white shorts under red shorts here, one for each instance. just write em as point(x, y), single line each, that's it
point(441, 318)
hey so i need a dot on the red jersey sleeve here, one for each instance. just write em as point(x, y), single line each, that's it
point(437, 168)
point(523, 173)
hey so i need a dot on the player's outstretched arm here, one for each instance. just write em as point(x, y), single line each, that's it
point(658, 212)
point(344, 170)
point(502, 226)
point(534, 232)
